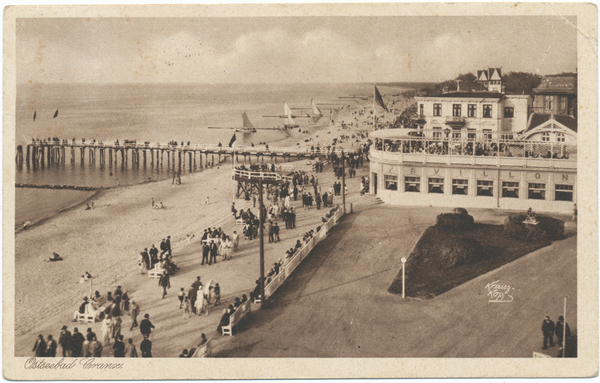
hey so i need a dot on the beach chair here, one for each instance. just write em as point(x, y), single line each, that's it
point(203, 351)
point(88, 317)
point(156, 272)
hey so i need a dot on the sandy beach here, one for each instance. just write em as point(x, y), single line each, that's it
point(107, 240)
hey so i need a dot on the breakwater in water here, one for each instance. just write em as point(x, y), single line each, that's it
point(65, 187)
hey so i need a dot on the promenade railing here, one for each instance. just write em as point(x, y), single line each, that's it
point(292, 263)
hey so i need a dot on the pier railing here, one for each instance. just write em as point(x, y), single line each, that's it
point(292, 263)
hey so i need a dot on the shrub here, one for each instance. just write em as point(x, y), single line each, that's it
point(460, 211)
point(455, 221)
point(548, 228)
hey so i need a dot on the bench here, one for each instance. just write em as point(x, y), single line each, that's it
point(203, 351)
point(242, 311)
point(88, 317)
point(156, 272)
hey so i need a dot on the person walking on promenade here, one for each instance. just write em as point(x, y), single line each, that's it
point(39, 346)
point(116, 329)
point(94, 348)
point(205, 252)
point(130, 351)
point(146, 348)
point(235, 240)
point(153, 255)
point(548, 331)
point(135, 310)
point(165, 282)
point(213, 252)
point(276, 232)
point(559, 329)
point(163, 246)
point(64, 341)
point(318, 200)
point(76, 343)
point(270, 230)
point(168, 245)
point(146, 326)
point(106, 330)
point(217, 294)
point(180, 296)
point(119, 347)
point(186, 308)
point(51, 347)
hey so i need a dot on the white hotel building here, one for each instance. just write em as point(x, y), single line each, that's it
point(476, 149)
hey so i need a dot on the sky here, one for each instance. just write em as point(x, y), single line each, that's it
point(289, 49)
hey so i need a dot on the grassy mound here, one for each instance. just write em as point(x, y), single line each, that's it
point(548, 228)
point(444, 258)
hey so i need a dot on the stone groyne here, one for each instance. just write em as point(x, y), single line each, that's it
point(66, 187)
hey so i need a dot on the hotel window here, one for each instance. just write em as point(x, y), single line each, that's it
point(485, 188)
point(487, 111)
point(563, 192)
point(509, 112)
point(563, 103)
point(560, 137)
point(548, 102)
point(421, 112)
point(412, 184)
point(460, 187)
point(456, 110)
point(487, 134)
point(471, 134)
point(510, 189)
point(437, 132)
point(507, 137)
point(456, 132)
point(537, 191)
point(391, 182)
point(472, 110)
point(436, 185)
point(437, 110)
point(545, 136)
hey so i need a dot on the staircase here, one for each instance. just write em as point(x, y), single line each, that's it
point(371, 199)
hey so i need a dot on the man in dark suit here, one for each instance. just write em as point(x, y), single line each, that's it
point(146, 347)
point(51, 347)
point(548, 331)
point(559, 330)
point(213, 252)
point(40, 346)
point(168, 244)
point(146, 326)
point(163, 247)
point(205, 252)
point(64, 340)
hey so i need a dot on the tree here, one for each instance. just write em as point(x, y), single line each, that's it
point(521, 82)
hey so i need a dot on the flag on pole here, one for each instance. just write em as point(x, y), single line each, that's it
point(379, 100)
point(232, 140)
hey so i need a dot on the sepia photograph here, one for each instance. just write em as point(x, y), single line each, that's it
point(350, 190)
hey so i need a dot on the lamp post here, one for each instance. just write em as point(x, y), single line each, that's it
point(447, 132)
point(403, 260)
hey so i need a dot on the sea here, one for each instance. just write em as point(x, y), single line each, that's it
point(157, 113)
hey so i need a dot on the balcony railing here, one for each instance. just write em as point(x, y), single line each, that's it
point(455, 120)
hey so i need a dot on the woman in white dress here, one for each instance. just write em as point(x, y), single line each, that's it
point(199, 302)
point(228, 248)
point(106, 330)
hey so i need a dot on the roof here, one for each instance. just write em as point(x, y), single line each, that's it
point(557, 84)
point(489, 74)
point(538, 119)
point(471, 95)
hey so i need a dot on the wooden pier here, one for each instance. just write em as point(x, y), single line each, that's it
point(42, 153)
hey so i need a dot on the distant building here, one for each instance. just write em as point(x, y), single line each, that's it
point(556, 95)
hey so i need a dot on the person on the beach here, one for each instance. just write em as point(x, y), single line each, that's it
point(213, 252)
point(186, 307)
point(217, 291)
point(118, 182)
point(146, 326)
point(135, 310)
point(65, 341)
point(205, 252)
point(119, 347)
point(40, 346)
point(76, 343)
point(180, 296)
point(106, 330)
point(165, 282)
point(94, 348)
point(146, 347)
point(130, 351)
point(276, 232)
point(235, 240)
point(54, 258)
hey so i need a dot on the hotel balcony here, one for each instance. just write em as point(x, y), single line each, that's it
point(455, 121)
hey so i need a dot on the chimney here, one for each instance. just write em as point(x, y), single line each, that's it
point(458, 85)
point(445, 90)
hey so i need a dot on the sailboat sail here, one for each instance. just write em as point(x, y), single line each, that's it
point(315, 108)
point(247, 125)
point(55, 114)
point(34, 114)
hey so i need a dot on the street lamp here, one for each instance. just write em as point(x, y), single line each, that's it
point(447, 132)
point(403, 260)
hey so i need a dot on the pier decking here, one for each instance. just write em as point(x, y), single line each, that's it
point(39, 153)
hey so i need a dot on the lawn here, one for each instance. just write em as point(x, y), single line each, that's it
point(429, 278)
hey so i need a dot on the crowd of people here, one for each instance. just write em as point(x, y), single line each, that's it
point(229, 311)
point(149, 259)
